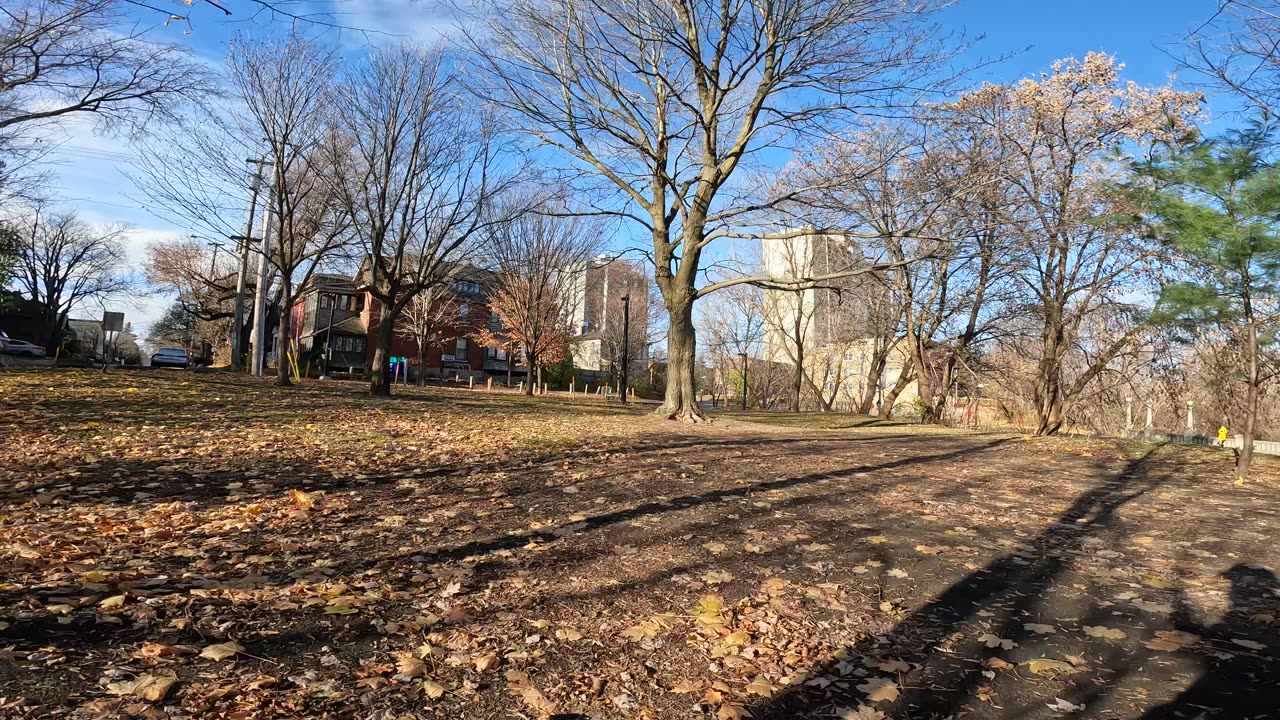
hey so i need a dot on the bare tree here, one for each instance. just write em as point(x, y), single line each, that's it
point(665, 103)
point(1056, 136)
point(63, 263)
point(87, 58)
point(431, 319)
point(538, 262)
point(285, 91)
point(1238, 49)
point(421, 174)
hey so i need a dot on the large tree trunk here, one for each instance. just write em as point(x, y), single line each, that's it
point(284, 335)
point(1048, 385)
point(875, 374)
point(1245, 458)
point(885, 411)
point(529, 378)
point(380, 375)
point(681, 402)
point(422, 362)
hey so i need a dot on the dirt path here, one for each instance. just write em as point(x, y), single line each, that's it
point(454, 555)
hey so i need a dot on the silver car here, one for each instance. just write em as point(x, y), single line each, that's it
point(170, 357)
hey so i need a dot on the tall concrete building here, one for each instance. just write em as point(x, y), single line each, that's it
point(831, 327)
point(595, 313)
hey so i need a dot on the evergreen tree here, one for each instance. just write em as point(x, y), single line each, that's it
point(1216, 205)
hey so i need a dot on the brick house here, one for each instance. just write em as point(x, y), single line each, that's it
point(334, 306)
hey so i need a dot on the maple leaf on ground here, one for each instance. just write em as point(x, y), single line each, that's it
point(1171, 640)
point(732, 712)
point(1050, 667)
point(1107, 633)
point(1065, 705)
point(304, 500)
point(147, 686)
point(880, 690)
point(1040, 629)
point(221, 651)
point(433, 689)
point(996, 641)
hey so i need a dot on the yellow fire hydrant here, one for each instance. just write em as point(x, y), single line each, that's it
point(1222, 434)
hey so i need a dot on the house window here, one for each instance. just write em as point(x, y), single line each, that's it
point(326, 301)
point(460, 349)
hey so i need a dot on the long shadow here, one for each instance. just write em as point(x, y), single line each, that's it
point(1239, 677)
point(508, 542)
point(1011, 586)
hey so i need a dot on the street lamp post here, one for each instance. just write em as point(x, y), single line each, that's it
point(626, 346)
point(744, 380)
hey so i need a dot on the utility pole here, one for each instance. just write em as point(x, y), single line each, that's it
point(744, 380)
point(264, 280)
point(328, 336)
point(626, 346)
point(243, 243)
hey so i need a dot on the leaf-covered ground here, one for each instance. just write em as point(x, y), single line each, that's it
point(207, 546)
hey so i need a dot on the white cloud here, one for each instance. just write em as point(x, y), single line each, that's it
point(391, 21)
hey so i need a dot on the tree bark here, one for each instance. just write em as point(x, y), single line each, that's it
point(680, 402)
point(1245, 458)
point(885, 411)
point(529, 377)
point(422, 362)
point(380, 375)
point(874, 375)
point(284, 335)
point(1048, 385)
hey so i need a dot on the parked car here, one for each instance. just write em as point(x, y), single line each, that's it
point(22, 347)
point(170, 357)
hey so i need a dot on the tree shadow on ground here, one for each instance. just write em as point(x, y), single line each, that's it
point(944, 640)
point(1238, 655)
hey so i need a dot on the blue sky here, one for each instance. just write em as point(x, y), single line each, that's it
point(92, 169)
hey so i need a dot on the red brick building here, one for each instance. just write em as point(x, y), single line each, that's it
point(332, 307)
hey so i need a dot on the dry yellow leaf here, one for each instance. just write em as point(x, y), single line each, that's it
point(221, 651)
point(1049, 667)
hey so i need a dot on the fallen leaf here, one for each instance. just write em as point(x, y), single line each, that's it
point(880, 690)
point(114, 601)
point(221, 651)
point(1040, 629)
point(732, 712)
point(1050, 667)
point(303, 500)
point(1252, 645)
point(761, 686)
point(1064, 705)
point(410, 666)
point(1100, 631)
point(996, 641)
point(147, 686)
point(433, 689)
